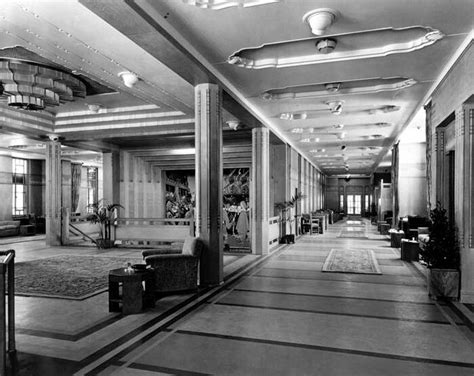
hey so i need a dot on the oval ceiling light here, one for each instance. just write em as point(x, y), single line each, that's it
point(320, 19)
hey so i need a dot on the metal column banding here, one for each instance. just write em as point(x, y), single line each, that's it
point(53, 193)
point(208, 142)
point(260, 189)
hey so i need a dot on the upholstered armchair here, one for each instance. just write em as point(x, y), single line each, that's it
point(175, 269)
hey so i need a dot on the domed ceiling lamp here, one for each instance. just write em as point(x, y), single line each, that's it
point(233, 124)
point(320, 19)
point(129, 78)
point(94, 107)
point(32, 83)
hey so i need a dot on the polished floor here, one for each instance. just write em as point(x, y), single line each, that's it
point(275, 315)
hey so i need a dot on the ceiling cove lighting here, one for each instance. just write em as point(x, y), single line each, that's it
point(322, 90)
point(223, 4)
point(293, 116)
point(383, 42)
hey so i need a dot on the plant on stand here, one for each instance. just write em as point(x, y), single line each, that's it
point(103, 214)
point(441, 254)
point(287, 217)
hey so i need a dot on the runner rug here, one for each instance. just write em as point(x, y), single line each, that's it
point(353, 232)
point(361, 261)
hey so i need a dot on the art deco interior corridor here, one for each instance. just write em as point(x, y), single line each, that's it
point(278, 315)
point(250, 187)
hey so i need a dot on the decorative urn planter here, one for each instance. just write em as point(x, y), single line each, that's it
point(443, 283)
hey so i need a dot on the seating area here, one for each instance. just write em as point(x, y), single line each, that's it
point(175, 269)
point(9, 228)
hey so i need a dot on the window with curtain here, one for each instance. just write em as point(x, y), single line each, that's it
point(92, 187)
point(19, 171)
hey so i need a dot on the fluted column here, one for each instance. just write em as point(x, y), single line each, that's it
point(53, 193)
point(261, 190)
point(208, 99)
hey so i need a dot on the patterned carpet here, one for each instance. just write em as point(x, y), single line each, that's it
point(67, 277)
point(351, 261)
point(73, 277)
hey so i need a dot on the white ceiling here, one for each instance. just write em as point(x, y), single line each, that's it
point(173, 45)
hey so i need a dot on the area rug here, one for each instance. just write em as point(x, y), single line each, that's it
point(353, 232)
point(67, 277)
point(360, 261)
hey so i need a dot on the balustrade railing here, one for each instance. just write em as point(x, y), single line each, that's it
point(7, 309)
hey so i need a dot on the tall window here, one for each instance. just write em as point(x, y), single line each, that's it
point(353, 204)
point(367, 203)
point(92, 187)
point(19, 206)
point(341, 202)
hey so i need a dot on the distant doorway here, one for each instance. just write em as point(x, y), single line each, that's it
point(354, 204)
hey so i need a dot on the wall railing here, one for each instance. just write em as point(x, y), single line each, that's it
point(7, 309)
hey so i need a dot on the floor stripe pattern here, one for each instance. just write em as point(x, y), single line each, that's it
point(286, 317)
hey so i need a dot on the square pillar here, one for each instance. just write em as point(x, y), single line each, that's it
point(111, 177)
point(464, 196)
point(208, 141)
point(53, 193)
point(261, 190)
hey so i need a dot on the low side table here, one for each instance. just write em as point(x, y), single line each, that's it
point(126, 291)
point(396, 238)
point(384, 227)
point(409, 250)
point(27, 230)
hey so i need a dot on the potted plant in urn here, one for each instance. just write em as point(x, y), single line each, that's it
point(286, 217)
point(441, 255)
point(103, 214)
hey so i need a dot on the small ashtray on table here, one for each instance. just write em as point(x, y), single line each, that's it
point(131, 289)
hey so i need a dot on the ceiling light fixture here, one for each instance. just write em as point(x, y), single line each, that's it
point(129, 79)
point(297, 130)
point(233, 124)
point(333, 87)
point(94, 107)
point(335, 107)
point(293, 116)
point(326, 46)
point(320, 19)
point(32, 83)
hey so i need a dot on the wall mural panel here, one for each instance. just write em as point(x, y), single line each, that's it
point(236, 216)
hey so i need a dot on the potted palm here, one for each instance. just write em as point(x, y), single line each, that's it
point(441, 254)
point(287, 217)
point(103, 214)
